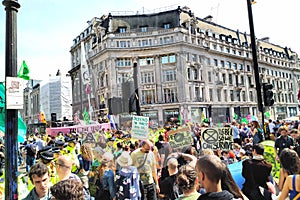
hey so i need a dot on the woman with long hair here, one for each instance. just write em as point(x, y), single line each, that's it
point(85, 162)
point(105, 182)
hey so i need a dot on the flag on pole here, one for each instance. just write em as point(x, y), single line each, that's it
point(112, 122)
point(24, 71)
point(267, 114)
point(235, 116)
point(86, 116)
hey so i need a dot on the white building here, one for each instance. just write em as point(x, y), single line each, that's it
point(56, 97)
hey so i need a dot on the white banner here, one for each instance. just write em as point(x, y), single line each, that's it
point(140, 127)
point(85, 74)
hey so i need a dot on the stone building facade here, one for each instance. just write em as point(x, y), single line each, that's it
point(187, 67)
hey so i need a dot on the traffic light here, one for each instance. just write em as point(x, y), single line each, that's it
point(268, 94)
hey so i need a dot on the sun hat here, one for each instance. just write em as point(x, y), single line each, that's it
point(124, 160)
point(107, 157)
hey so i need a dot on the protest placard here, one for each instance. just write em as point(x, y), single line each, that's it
point(180, 138)
point(140, 127)
point(217, 138)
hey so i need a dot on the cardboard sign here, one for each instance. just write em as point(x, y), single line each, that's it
point(217, 138)
point(140, 127)
point(270, 157)
point(180, 138)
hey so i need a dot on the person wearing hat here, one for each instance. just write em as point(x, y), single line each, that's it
point(46, 157)
point(127, 178)
point(70, 151)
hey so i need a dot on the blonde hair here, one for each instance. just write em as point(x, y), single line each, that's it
point(86, 152)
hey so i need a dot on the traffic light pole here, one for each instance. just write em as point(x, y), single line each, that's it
point(11, 115)
point(255, 63)
point(135, 80)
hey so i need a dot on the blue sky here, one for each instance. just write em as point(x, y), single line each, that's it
point(46, 28)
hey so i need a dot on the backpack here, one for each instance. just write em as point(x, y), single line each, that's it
point(32, 149)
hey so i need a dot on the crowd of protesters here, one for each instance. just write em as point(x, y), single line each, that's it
point(112, 165)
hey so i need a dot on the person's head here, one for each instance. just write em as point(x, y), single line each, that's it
point(71, 189)
point(39, 177)
point(63, 166)
point(124, 160)
point(283, 131)
point(86, 152)
point(228, 183)
point(289, 161)
point(210, 171)
point(258, 149)
point(146, 146)
point(172, 165)
point(255, 124)
point(187, 179)
point(295, 134)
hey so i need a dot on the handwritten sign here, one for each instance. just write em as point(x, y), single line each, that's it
point(217, 138)
point(140, 127)
point(180, 138)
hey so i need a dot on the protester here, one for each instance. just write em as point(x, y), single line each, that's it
point(290, 165)
point(283, 141)
point(85, 164)
point(256, 172)
point(127, 179)
point(39, 177)
point(291, 188)
point(256, 132)
point(70, 189)
point(143, 158)
point(105, 182)
point(210, 170)
point(187, 182)
point(168, 187)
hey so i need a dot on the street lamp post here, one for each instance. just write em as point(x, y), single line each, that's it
point(11, 118)
point(255, 63)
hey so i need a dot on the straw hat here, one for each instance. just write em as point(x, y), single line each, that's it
point(124, 160)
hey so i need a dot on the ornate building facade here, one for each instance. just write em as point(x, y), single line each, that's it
point(186, 66)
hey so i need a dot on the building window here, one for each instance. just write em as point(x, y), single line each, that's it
point(196, 74)
point(227, 50)
point(168, 59)
point(243, 96)
point(228, 65)
point(219, 94)
point(209, 77)
point(167, 26)
point(189, 73)
point(249, 69)
point(224, 78)
point(234, 66)
point(170, 95)
point(251, 95)
point(241, 67)
point(146, 61)
point(144, 28)
point(207, 61)
point(238, 95)
point(148, 96)
point(123, 44)
point(210, 94)
point(147, 77)
point(123, 62)
point(222, 63)
point(122, 29)
point(231, 95)
point(124, 77)
point(169, 75)
point(225, 95)
point(230, 79)
point(242, 80)
point(215, 62)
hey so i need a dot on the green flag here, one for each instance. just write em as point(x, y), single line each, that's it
point(86, 116)
point(267, 114)
point(24, 71)
point(235, 116)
